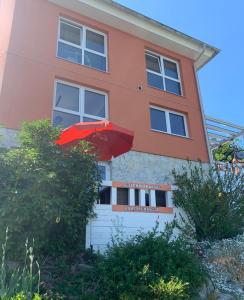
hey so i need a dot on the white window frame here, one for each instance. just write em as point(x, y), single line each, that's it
point(82, 47)
point(168, 125)
point(162, 73)
point(81, 112)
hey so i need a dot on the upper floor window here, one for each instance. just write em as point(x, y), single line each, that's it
point(163, 73)
point(168, 121)
point(82, 45)
point(74, 104)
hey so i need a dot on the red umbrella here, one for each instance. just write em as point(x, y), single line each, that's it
point(108, 139)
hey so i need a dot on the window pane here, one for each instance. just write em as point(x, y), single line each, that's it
point(177, 124)
point(155, 80)
point(172, 86)
point(85, 119)
point(160, 198)
point(61, 119)
point(102, 171)
point(122, 196)
point(95, 41)
point(70, 33)
point(147, 198)
point(137, 197)
point(105, 195)
point(153, 63)
point(70, 53)
point(158, 120)
point(67, 97)
point(95, 61)
point(170, 69)
point(94, 104)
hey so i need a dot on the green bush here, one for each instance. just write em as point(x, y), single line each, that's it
point(47, 192)
point(213, 201)
point(148, 266)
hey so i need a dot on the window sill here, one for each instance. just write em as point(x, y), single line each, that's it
point(76, 63)
point(171, 134)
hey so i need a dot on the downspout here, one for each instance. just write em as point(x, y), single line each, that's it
point(210, 156)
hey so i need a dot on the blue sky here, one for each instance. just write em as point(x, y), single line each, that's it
point(221, 24)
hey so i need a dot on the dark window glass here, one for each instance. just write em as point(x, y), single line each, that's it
point(153, 63)
point(158, 120)
point(67, 97)
point(105, 195)
point(160, 198)
point(85, 119)
point(122, 196)
point(170, 69)
point(172, 86)
point(137, 197)
point(102, 171)
point(70, 33)
point(177, 124)
point(61, 119)
point(147, 198)
point(70, 53)
point(155, 80)
point(94, 104)
point(95, 61)
point(94, 41)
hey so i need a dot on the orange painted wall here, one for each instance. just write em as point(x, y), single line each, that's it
point(32, 67)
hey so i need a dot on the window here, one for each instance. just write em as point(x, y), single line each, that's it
point(82, 45)
point(160, 198)
point(105, 195)
point(147, 198)
point(137, 197)
point(122, 196)
point(73, 104)
point(163, 73)
point(168, 121)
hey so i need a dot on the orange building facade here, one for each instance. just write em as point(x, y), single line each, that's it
point(81, 60)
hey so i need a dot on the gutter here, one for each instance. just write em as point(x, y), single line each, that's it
point(210, 156)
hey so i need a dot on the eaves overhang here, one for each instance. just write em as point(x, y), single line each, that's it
point(130, 21)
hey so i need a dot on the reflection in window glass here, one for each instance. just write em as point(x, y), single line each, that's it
point(70, 53)
point(105, 195)
point(177, 124)
point(153, 63)
point(94, 41)
point(94, 104)
point(155, 80)
point(158, 120)
point(63, 120)
point(95, 61)
point(170, 69)
point(67, 97)
point(160, 198)
point(172, 86)
point(70, 33)
point(122, 196)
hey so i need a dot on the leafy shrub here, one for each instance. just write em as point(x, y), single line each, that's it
point(148, 266)
point(47, 192)
point(213, 201)
point(20, 280)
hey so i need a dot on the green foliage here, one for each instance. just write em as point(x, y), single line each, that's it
point(148, 266)
point(213, 201)
point(20, 280)
point(226, 152)
point(47, 192)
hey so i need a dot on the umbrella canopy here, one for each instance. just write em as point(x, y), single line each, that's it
point(108, 139)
